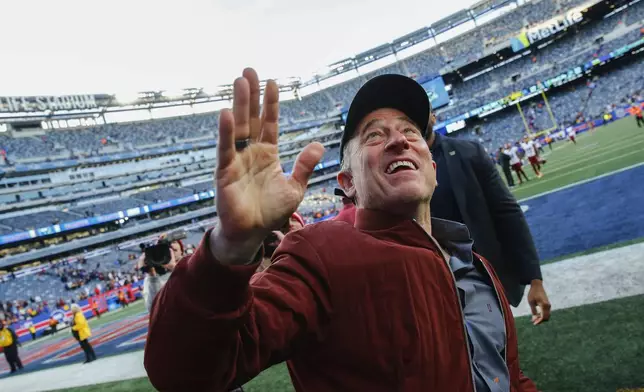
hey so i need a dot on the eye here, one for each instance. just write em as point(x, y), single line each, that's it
point(372, 134)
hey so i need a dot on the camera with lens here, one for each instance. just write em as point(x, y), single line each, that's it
point(159, 254)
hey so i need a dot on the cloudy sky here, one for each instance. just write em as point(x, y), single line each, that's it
point(120, 46)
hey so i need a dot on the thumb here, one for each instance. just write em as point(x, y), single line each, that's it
point(305, 163)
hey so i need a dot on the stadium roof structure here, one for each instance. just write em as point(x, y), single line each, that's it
point(35, 108)
point(408, 40)
point(25, 109)
point(13, 109)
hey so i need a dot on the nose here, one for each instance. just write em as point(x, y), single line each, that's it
point(397, 142)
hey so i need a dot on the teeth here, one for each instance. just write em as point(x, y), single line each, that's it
point(396, 164)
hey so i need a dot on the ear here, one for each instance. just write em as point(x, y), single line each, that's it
point(345, 179)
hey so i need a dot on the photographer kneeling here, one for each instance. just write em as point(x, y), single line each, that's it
point(157, 262)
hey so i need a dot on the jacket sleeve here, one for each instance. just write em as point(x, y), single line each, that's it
point(509, 221)
point(526, 384)
point(212, 328)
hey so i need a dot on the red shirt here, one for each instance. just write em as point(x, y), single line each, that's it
point(367, 308)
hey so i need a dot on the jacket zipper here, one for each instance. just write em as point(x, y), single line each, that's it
point(460, 308)
point(498, 298)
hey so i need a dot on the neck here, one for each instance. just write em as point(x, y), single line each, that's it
point(423, 217)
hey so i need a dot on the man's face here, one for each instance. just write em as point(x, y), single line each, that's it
point(390, 163)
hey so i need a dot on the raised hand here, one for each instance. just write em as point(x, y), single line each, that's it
point(254, 196)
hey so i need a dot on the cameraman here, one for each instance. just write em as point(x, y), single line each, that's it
point(154, 280)
point(271, 243)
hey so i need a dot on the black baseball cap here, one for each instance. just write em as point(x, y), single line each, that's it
point(388, 91)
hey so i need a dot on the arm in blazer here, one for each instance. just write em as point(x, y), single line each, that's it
point(510, 224)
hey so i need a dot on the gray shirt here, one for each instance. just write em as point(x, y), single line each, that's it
point(483, 317)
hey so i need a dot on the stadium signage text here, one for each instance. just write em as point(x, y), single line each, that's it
point(44, 103)
point(546, 29)
point(554, 26)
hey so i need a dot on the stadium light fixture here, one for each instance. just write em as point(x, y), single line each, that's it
point(174, 94)
point(126, 97)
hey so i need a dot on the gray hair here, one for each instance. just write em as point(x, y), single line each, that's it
point(345, 165)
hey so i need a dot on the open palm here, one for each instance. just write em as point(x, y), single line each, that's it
point(253, 194)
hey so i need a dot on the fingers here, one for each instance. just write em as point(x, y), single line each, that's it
point(255, 126)
point(270, 113)
point(545, 310)
point(536, 316)
point(241, 108)
point(226, 143)
point(305, 163)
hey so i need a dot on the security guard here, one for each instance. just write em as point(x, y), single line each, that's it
point(9, 343)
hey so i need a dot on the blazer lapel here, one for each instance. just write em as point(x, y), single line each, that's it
point(457, 177)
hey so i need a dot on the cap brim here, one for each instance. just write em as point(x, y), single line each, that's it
point(388, 91)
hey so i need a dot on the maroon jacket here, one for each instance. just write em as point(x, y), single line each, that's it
point(347, 214)
point(371, 308)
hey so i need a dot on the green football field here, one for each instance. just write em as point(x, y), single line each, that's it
point(608, 148)
point(592, 348)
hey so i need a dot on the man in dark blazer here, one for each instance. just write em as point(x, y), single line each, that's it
point(470, 191)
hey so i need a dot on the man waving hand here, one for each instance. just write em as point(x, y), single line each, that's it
point(398, 302)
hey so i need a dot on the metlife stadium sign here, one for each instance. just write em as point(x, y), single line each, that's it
point(548, 28)
point(51, 103)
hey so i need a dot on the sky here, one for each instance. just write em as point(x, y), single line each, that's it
point(125, 46)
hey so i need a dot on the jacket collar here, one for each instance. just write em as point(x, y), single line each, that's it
point(453, 236)
point(375, 220)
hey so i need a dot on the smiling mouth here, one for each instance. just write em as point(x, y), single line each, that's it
point(400, 166)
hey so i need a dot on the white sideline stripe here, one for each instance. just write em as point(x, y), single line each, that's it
point(582, 280)
point(582, 181)
point(598, 277)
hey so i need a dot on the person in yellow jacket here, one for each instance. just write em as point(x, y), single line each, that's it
point(81, 331)
point(9, 343)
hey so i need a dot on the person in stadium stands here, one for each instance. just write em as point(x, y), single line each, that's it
point(82, 333)
point(504, 161)
point(470, 191)
point(9, 343)
point(515, 162)
point(532, 155)
point(348, 212)
point(636, 111)
point(153, 282)
point(397, 302)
